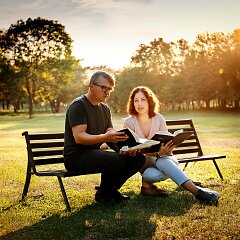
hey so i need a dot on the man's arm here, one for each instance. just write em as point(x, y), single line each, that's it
point(81, 137)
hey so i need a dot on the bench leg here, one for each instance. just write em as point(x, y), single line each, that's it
point(64, 194)
point(27, 182)
point(219, 172)
point(185, 166)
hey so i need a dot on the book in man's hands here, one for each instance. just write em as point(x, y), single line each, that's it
point(147, 146)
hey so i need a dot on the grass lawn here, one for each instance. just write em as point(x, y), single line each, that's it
point(179, 216)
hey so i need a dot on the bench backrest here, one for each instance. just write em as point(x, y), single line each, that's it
point(44, 148)
point(47, 148)
point(191, 146)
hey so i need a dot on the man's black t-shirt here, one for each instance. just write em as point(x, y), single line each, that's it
point(82, 111)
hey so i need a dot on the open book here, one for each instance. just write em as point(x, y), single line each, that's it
point(177, 137)
point(147, 146)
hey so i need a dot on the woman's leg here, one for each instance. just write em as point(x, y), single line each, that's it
point(153, 174)
point(190, 186)
point(150, 174)
point(167, 165)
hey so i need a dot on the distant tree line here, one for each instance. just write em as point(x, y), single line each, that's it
point(203, 75)
point(37, 68)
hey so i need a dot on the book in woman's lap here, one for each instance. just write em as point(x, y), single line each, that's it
point(147, 146)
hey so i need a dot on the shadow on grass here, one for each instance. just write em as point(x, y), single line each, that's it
point(134, 219)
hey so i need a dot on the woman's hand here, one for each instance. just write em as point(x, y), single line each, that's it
point(166, 149)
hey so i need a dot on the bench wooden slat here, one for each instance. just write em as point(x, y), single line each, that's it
point(47, 144)
point(43, 136)
point(179, 122)
point(200, 158)
point(47, 153)
point(185, 151)
point(172, 130)
point(60, 173)
point(47, 161)
point(188, 144)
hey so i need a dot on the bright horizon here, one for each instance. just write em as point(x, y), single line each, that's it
point(108, 32)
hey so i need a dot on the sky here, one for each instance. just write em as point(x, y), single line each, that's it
point(108, 32)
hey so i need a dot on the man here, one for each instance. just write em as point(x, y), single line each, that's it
point(88, 124)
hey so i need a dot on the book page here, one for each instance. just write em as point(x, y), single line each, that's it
point(182, 136)
point(164, 133)
point(130, 133)
point(134, 135)
point(177, 132)
point(146, 144)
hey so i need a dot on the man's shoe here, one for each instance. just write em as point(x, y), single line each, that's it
point(153, 191)
point(103, 197)
point(112, 197)
point(118, 197)
point(207, 196)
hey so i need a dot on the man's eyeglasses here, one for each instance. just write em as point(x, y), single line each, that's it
point(105, 89)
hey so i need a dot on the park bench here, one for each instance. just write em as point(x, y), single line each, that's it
point(47, 149)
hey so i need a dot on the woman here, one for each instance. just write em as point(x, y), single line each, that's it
point(145, 121)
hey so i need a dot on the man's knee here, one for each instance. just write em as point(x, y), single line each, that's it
point(140, 161)
point(117, 162)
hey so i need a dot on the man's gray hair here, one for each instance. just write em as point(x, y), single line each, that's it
point(103, 74)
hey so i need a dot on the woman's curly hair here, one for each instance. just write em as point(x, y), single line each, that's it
point(151, 98)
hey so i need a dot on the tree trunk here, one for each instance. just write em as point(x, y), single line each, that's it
point(30, 110)
point(57, 106)
point(8, 104)
point(3, 104)
point(223, 104)
point(15, 107)
point(193, 106)
point(207, 104)
point(236, 104)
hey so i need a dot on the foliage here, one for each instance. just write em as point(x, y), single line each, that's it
point(33, 47)
point(183, 75)
point(37, 68)
point(10, 87)
point(56, 77)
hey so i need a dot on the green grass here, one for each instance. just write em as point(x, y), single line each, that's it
point(179, 216)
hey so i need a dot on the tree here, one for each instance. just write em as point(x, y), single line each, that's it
point(155, 57)
point(56, 76)
point(229, 75)
point(201, 67)
point(32, 44)
point(10, 88)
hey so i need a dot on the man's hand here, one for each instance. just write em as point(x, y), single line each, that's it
point(126, 151)
point(113, 136)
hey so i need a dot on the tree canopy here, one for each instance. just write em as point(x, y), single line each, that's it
point(203, 75)
point(39, 50)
